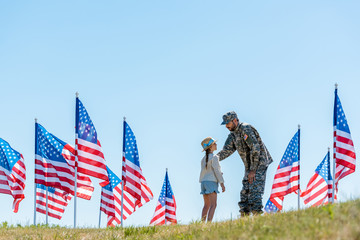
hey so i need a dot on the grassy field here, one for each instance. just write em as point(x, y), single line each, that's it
point(338, 221)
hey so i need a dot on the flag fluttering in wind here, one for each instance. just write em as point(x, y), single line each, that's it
point(165, 211)
point(344, 152)
point(287, 176)
point(111, 201)
point(270, 207)
point(12, 173)
point(85, 188)
point(134, 180)
point(57, 201)
point(55, 165)
point(319, 188)
point(91, 159)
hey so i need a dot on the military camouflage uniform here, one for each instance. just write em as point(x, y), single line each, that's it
point(246, 140)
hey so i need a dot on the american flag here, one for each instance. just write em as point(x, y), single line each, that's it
point(12, 173)
point(55, 165)
point(344, 152)
point(165, 211)
point(111, 201)
point(57, 201)
point(134, 180)
point(319, 188)
point(270, 207)
point(91, 159)
point(287, 177)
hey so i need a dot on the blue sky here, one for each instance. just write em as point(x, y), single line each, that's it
point(173, 68)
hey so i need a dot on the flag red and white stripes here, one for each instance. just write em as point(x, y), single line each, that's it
point(111, 201)
point(111, 205)
point(57, 201)
point(278, 202)
point(132, 175)
point(55, 165)
point(136, 184)
point(85, 188)
point(319, 188)
point(287, 175)
point(12, 173)
point(165, 211)
point(91, 159)
point(344, 151)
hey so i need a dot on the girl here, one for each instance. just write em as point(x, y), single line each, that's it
point(210, 177)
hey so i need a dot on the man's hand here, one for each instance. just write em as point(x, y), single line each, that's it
point(222, 187)
point(251, 176)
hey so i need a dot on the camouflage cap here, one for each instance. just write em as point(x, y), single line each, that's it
point(228, 117)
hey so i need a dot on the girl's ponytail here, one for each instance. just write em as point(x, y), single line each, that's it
point(207, 157)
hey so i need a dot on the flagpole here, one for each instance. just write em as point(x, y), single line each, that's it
point(100, 214)
point(166, 192)
point(34, 178)
point(333, 187)
point(122, 180)
point(76, 159)
point(47, 207)
point(122, 202)
point(334, 151)
point(299, 168)
point(332, 197)
point(100, 211)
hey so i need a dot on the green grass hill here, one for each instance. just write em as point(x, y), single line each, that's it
point(337, 221)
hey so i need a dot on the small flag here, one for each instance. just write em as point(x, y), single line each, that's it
point(319, 188)
point(111, 201)
point(270, 207)
point(55, 165)
point(12, 173)
point(134, 180)
point(344, 151)
point(286, 178)
point(57, 201)
point(91, 159)
point(165, 211)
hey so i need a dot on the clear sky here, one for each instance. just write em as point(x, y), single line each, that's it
point(173, 68)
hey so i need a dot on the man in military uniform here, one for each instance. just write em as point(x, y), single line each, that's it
point(246, 140)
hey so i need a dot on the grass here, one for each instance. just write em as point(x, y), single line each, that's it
point(338, 221)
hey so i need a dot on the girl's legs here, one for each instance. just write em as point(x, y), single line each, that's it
point(209, 206)
point(206, 207)
point(213, 200)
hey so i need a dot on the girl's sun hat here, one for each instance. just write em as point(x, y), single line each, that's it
point(207, 142)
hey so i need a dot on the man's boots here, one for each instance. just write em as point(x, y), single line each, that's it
point(257, 212)
point(244, 214)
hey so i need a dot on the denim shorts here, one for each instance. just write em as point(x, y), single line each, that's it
point(208, 187)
